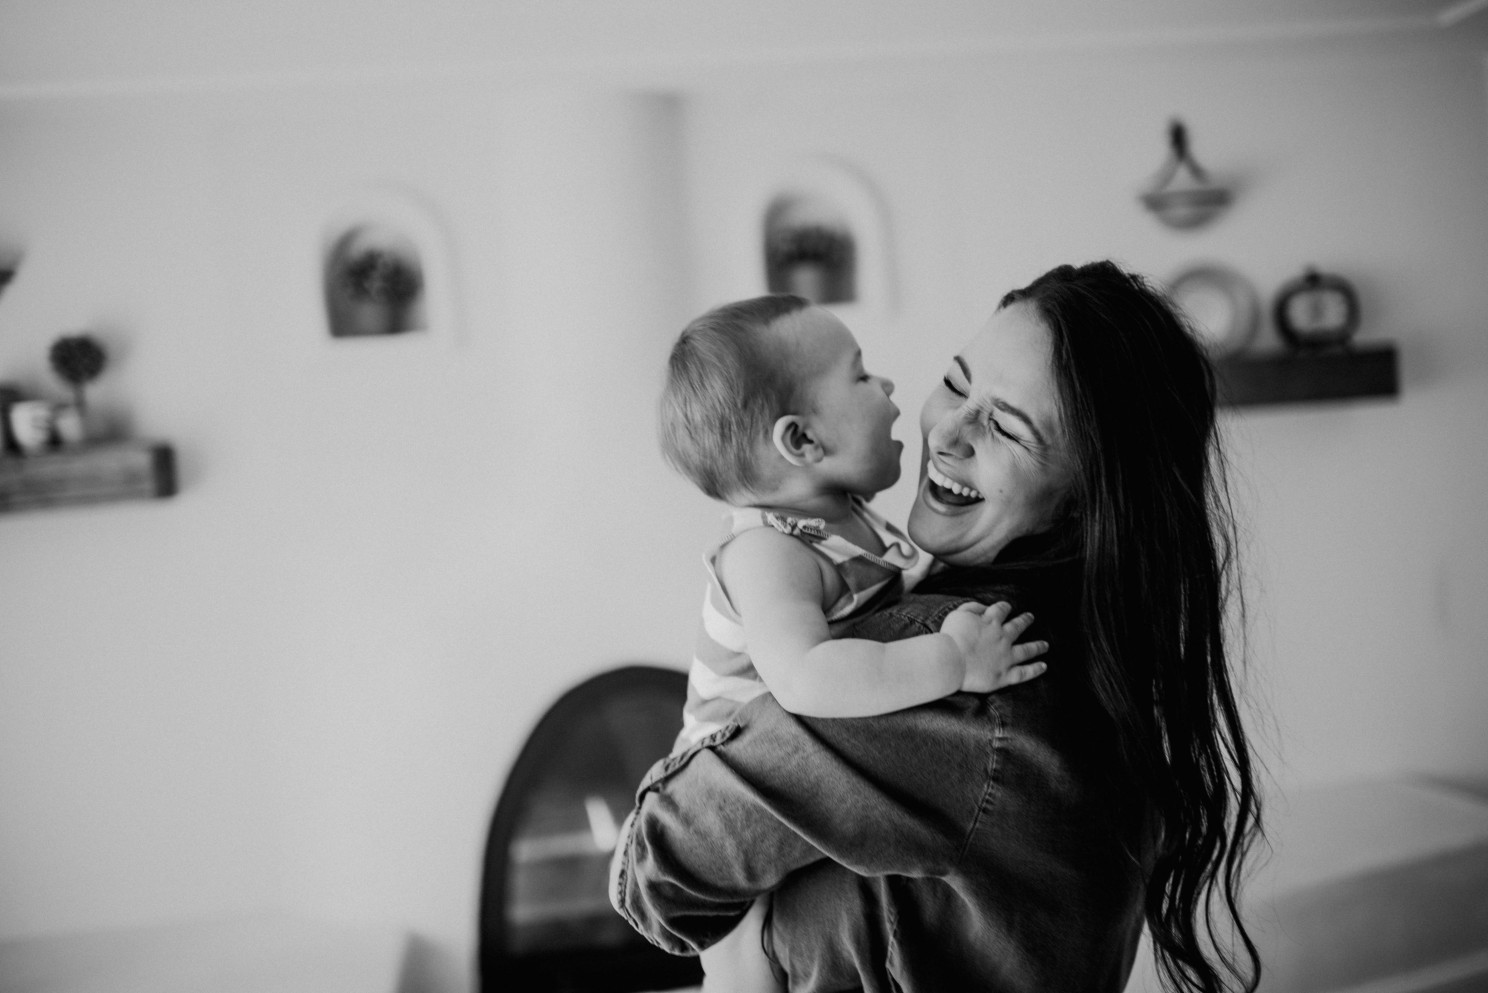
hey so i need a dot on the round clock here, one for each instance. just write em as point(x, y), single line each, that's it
point(1316, 310)
point(1221, 307)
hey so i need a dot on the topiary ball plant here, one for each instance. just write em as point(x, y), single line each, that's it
point(382, 277)
point(77, 359)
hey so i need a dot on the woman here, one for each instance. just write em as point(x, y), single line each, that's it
point(1016, 841)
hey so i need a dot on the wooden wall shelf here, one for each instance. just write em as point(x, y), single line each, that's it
point(1302, 377)
point(89, 474)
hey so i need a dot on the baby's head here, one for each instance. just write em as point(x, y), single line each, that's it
point(762, 385)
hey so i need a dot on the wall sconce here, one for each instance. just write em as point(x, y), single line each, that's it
point(1181, 201)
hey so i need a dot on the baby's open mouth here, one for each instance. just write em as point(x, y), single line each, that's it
point(948, 491)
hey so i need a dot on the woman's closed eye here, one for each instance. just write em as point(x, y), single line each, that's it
point(987, 415)
point(997, 428)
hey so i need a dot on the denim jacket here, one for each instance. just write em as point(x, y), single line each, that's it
point(974, 843)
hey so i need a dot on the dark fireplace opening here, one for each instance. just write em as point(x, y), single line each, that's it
point(545, 918)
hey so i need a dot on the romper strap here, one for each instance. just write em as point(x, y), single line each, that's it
point(814, 528)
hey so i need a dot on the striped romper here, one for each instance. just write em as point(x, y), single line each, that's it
point(722, 679)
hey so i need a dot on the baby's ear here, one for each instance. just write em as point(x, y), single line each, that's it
point(794, 441)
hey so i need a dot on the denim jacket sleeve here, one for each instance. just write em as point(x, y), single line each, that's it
point(771, 793)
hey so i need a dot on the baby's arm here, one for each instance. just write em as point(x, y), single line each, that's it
point(777, 586)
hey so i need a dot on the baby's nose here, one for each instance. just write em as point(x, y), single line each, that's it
point(888, 386)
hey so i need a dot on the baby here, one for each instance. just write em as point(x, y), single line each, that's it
point(767, 407)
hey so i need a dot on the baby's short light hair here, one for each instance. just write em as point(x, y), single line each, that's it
point(729, 379)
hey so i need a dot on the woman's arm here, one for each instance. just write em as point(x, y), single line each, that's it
point(728, 820)
point(698, 848)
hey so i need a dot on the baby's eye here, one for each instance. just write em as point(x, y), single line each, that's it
point(952, 387)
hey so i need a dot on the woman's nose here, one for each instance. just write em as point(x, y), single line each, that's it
point(948, 435)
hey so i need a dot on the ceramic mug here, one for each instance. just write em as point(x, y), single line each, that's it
point(31, 425)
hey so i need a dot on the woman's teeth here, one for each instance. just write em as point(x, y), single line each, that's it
point(949, 485)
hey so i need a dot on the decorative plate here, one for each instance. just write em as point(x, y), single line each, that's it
point(1220, 304)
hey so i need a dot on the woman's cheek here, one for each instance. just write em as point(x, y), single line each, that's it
point(939, 405)
point(992, 470)
point(929, 416)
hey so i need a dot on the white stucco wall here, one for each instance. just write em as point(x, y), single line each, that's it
point(298, 684)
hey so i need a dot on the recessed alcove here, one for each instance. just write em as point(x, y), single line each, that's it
point(823, 235)
point(810, 251)
point(386, 268)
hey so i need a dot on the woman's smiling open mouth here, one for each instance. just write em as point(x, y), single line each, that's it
point(947, 490)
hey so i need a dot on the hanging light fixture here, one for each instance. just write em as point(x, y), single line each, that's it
point(1182, 195)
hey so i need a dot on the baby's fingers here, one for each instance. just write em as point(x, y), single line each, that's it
point(1022, 674)
point(1017, 625)
point(1026, 650)
point(973, 608)
point(997, 613)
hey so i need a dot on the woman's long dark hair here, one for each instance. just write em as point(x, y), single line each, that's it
point(1151, 518)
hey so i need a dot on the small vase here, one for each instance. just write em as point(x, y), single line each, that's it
point(69, 424)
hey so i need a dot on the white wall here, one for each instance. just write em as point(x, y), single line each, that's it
point(298, 684)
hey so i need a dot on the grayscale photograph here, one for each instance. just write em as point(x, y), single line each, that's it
point(744, 496)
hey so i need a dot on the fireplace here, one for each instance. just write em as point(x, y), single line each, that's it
point(546, 923)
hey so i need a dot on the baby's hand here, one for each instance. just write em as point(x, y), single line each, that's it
point(987, 639)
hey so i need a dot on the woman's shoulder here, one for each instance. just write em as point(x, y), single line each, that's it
point(912, 614)
point(1023, 580)
point(1050, 589)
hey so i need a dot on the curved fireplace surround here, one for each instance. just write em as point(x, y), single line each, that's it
point(546, 923)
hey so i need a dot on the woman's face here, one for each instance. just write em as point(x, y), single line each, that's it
point(994, 466)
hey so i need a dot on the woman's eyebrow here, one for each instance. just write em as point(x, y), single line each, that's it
point(1004, 406)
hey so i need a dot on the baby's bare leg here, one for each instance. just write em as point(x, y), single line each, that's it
point(737, 964)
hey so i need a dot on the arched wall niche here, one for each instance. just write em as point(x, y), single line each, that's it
point(823, 234)
point(810, 250)
point(386, 268)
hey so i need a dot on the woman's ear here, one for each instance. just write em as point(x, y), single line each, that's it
point(794, 441)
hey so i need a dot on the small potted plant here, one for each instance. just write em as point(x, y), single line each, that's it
point(813, 261)
point(381, 286)
point(77, 359)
